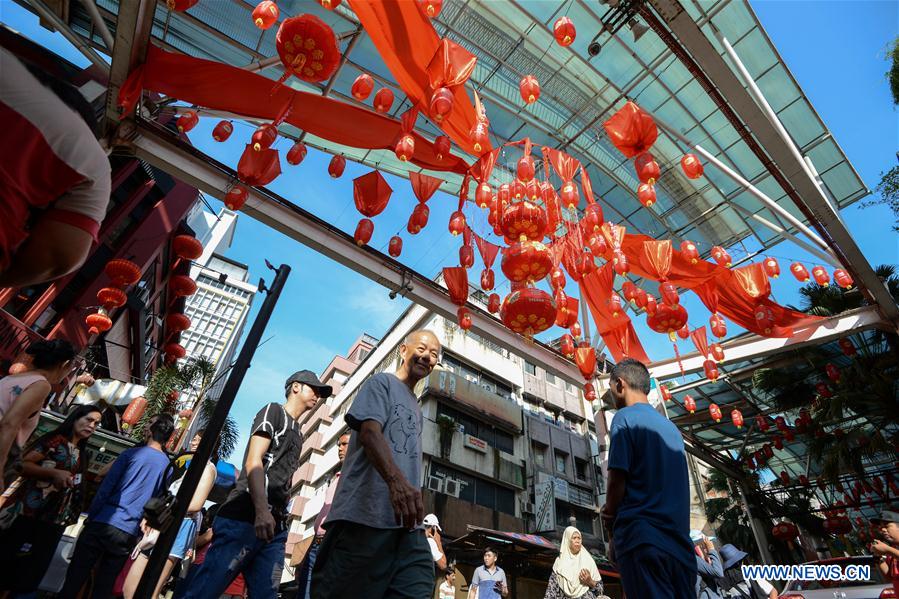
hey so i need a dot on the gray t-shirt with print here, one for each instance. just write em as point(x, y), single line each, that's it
point(362, 496)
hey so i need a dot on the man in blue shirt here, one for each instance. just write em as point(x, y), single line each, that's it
point(113, 520)
point(647, 506)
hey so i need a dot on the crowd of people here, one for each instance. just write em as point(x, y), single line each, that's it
point(371, 538)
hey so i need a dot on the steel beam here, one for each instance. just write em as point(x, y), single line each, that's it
point(787, 168)
point(134, 23)
point(161, 148)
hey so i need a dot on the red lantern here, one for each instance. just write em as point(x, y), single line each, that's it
point(847, 347)
point(133, 412)
point(264, 136)
point(833, 373)
point(187, 121)
point(691, 166)
point(761, 423)
point(180, 5)
point(585, 358)
point(362, 87)
point(842, 278)
point(689, 251)
point(457, 223)
point(711, 370)
point(483, 194)
point(296, 153)
point(557, 278)
point(597, 245)
point(593, 218)
point(736, 416)
point(646, 194)
point(784, 477)
point(566, 345)
point(395, 246)
point(665, 392)
point(619, 263)
point(111, 298)
point(566, 315)
point(526, 261)
point(418, 220)
point(442, 146)
point(307, 48)
point(615, 305)
point(564, 31)
point(823, 390)
point(718, 325)
point(182, 286)
point(586, 263)
point(575, 330)
point(493, 303)
point(174, 351)
point(464, 317)
point(329, 4)
point(666, 319)
point(336, 166)
point(690, 404)
point(383, 99)
point(772, 268)
point(631, 130)
point(589, 392)
point(821, 276)
point(629, 290)
point(648, 170)
point(717, 352)
point(518, 189)
point(528, 311)
point(405, 148)
point(236, 197)
point(431, 7)
point(529, 88)
point(265, 14)
point(479, 136)
point(669, 294)
point(524, 221)
point(466, 256)
point(642, 299)
point(177, 322)
point(715, 412)
point(781, 423)
point(684, 332)
point(800, 272)
point(363, 231)
point(525, 169)
point(441, 104)
point(122, 272)
point(187, 247)
point(222, 131)
point(764, 319)
point(98, 323)
point(720, 255)
point(785, 531)
point(769, 452)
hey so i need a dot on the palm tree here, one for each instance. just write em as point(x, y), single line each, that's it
point(728, 514)
point(200, 374)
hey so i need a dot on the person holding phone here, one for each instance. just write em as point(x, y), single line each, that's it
point(489, 580)
point(708, 567)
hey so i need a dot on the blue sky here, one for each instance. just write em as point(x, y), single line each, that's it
point(835, 50)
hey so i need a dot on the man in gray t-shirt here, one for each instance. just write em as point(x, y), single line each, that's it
point(373, 545)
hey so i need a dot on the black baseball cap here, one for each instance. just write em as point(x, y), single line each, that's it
point(307, 377)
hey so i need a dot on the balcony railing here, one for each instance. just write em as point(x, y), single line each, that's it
point(474, 397)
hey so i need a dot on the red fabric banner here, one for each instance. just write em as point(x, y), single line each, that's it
point(700, 340)
point(423, 186)
point(617, 331)
point(487, 250)
point(219, 86)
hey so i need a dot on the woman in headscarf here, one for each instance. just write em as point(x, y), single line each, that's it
point(574, 574)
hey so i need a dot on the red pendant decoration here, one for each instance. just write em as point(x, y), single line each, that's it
point(526, 261)
point(98, 323)
point(631, 130)
point(431, 7)
point(371, 193)
point(569, 195)
point(715, 412)
point(566, 345)
point(718, 325)
point(265, 14)
point(457, 223)
point(737, 418)
point(466, 256)
point(651, 306)
point(362, 87)
point(307, 48)
point(557, 278)
point(800, 272)
point(585, 358)
point(575, 330)
point(720, 255)
point(711, 370)
point(493, 303)
point(717, 352)
point(784, 477)
point(689, 251)
point(528, 311)
point(111, 298)
point(619, 263)
point(820, 275)
point(842, 278)
point(667, 319)
point(479, 136)
point(405, 148)
point(593, 219)
point(123, 273)
point(648, 170)
point(296, 153)
point(833, 373)
point(222, 131)
point(525, 169)
point(441, 104)
point(336, 166)
point(566, 314)
point(690, 404)
point(847, 347)
point(529, 88)
point(665, 392)
point(464, 318)
point(564, 31)
point(524, 221)
point(629, 291)
point(174, 351)
point(177, 322)
point(236, 197)
point(487, 279)
point(383, 100)
point(329, 4)
point(691, 166)
point(395, 246)
point(669, 294)
point(182, 286)
point(772, 268)
point(187, 121)
point(764, 319)
point(363, 232)
point(180, 5)
point(442, 146)
point(187, 247)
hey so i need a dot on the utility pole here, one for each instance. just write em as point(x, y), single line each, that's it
point(194, 473)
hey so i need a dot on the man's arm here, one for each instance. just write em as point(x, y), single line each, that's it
point(505, 590)
point(473, 584)
point(713, 566)
point(30, 401)
point(52, 250)
point(437, 549)
point(615, 489)
point(405, 498)
point(265, 522)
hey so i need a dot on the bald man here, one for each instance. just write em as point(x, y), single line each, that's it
point(374, 545)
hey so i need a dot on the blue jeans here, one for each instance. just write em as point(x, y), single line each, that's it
point(235, 549)
point(304, 573)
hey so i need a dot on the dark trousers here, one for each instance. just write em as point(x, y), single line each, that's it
point(304, 572)
point(647, 572)
point(361, 561)
point(26, 550)
point(103, 550)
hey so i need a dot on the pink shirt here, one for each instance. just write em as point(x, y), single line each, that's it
point(11, 387)
point(329, 498)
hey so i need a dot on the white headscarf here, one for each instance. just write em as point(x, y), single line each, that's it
point(568, 566)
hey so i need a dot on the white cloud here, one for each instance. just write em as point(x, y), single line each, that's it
point(372, 304)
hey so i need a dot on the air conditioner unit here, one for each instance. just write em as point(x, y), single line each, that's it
point(452, 487)
point(527, 507)
point(435, 483)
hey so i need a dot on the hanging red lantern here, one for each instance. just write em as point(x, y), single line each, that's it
point(187, 121)
point(187, 247)
point(586, 263)
point(236, 197)
point(174, 351)
point(525, 168)
point(648, 170)
point(803, 480)
point(493, 303)
point(631, 130)
point(646, 194)
point(781, 423)
point(532, 190)
point(98, 323)
point(464, 318)
point(177, 322)
point(336, 166)
point(122, 272)
point(134, 412)
point(764, 319)
point(789, 436)
point(418, 220)
point(641, 298)
point(847, 346)
point(431, 7)
point(526, 261)
point(589, 392)
point(597, 245)
point(690, 404)
point(363, 231)
point(479, 136)
point(307, 48)
point(821, 276)
point(566, 314)
point(736, 416)
point(180, 5)
point(665, 392)
point(715, 412)
point(483, 194)
point(593, 218)
point(442, 146)
point(566, 345)
point(557, 278)
point(629, 290)
point(720, 255)
point(619, 263)
point(667, 319)
point(689, 251)
point(529, 88)
point(691, 166)
point(669, 293)
point(778, 442)
point(651, 305)
point(296, 153)
point(265, 14)
point(405, 148)
point(575, 330)
point(823, 390)
point(111, 298)
point(182, 286)
point(441, 104)
point(222, 131)
point(329, 4)
point(564, 31)
point(585, 358)
point(785, 531)
point(362, 87)
point(569, 195)
point(457, 223)
point(264, 136)
point(718, 325)
point(842, 278)
point(761, 423)
point(383, 100)
point(395, 246)
point(524, 221)
point(466, 256)
point(684, 332)
point(800, 272)
point(487, 279)
point(769, 452)
point(717, 352)
point(772, 268)
point(833, 373)
point(784, 477)
point(615, 305)
point(711, 370)
point(528, 311)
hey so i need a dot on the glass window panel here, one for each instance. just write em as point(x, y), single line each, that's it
point(755, 52)
point(747, 164)
point(696, 100)
point(801, 123)
point(733, 20)
point(824, 155)
point(842, 182)
point(674, 74)
point(615, 62)
point(777, 87)
point(719, 128)
point(651, 96)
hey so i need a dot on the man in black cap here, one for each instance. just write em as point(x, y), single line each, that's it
point(250, 530)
